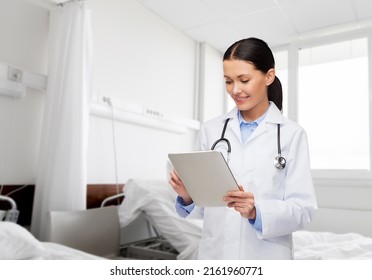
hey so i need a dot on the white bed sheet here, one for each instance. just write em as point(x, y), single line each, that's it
point(331, 246)
point(157, 200)
point(17, 243)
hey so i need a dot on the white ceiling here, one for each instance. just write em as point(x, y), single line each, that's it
point(221, 22)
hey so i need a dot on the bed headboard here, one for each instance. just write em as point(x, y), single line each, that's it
point(23, 195)
point(96, 193)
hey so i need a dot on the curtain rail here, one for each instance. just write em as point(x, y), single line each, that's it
point(61, 4)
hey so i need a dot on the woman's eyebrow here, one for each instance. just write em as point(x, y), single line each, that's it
point(241, 75)
point(244, 75)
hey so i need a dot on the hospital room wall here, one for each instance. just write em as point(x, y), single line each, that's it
point(140, 60)
point(23, 37)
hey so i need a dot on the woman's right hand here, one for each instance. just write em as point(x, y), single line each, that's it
point(179, 187)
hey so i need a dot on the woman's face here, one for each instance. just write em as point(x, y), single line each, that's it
point(247, 86)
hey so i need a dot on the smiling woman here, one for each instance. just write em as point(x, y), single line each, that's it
point(273, 200)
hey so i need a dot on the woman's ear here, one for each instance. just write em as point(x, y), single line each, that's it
point(270, 76)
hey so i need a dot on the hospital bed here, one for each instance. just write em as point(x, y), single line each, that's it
point(140, 239)
point(17, 243)
point(83, 234)
point(152, 202)
point(156, 200)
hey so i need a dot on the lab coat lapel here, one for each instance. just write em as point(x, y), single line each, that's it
point(273, 116)
point(234, 123)
point(258, 131)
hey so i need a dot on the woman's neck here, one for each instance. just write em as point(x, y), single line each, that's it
point(254, 113)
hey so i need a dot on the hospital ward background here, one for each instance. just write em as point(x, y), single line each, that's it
point(95, 94)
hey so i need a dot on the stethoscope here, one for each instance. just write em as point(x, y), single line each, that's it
point(279, 161)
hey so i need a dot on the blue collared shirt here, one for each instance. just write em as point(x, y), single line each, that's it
point(247, 128)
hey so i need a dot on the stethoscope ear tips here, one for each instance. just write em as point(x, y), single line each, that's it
point(279, 162)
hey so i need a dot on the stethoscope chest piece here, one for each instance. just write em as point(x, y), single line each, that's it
point(279, 162)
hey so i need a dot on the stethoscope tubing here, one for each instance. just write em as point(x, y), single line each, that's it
point(279, 161)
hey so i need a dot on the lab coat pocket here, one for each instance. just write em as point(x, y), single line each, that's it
point(276, 251)
point(270, 186)
point(207, 249)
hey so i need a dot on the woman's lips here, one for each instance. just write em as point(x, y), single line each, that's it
point(241, 99)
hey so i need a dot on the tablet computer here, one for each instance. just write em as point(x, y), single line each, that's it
point(206, 176)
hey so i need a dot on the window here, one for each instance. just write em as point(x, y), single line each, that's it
point(333, 104)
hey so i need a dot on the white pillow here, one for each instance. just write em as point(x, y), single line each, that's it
point(16, 243)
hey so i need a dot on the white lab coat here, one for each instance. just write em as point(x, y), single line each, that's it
point(285, 198)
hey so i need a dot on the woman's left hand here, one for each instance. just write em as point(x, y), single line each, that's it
point(243, 202)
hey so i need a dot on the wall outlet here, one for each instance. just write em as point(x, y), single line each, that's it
point(14, 74)
point(152, 113)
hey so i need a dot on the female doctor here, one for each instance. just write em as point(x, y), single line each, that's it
point(269, 158)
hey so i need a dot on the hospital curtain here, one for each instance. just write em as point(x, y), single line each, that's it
point(61, 176)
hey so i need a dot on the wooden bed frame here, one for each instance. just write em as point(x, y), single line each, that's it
point(97, 193)
point(24, 198)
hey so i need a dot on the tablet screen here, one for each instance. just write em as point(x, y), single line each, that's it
point(206, 176)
